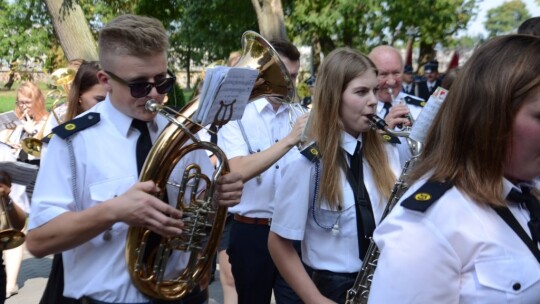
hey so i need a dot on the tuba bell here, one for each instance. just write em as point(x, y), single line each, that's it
point(203, 220)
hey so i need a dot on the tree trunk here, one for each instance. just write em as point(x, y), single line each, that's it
point(11, 80)
point(271, 19)
point(72, 31)
point(427, 53)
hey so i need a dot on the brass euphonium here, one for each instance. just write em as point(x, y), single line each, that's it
point(147, 263)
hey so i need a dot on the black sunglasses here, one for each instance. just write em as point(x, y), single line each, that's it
point(143, 88)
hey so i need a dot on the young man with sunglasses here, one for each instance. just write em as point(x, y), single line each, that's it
point(87, 193)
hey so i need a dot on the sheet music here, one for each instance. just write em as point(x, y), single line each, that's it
point(228, 89)
point(423, 123)
point(21, 173)
point(9, 120)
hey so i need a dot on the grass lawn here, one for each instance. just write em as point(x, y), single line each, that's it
point(7, 98)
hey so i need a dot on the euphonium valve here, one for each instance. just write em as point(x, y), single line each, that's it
point(149, 261)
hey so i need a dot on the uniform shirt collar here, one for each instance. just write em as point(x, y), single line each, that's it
point(348, 142)
point(121, 121)
point(263, 103)
point(401, 95)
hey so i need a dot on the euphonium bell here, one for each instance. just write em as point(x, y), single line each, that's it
point(147, 259)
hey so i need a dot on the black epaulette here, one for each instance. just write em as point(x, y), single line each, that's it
point(311, 152)
point(73, 126)
point(47, 138)
point(426, 195)
point(391, 138)
point(416, 101)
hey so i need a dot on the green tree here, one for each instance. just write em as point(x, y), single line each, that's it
point(27, 37)
point(327, 24)
point(506, 18)
point(202, 31)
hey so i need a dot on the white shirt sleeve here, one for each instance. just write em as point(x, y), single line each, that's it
point(413, 253)
point(19, 197)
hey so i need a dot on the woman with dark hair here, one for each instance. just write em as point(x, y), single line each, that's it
point(322, 195)
point(467, 229)
point(85, 90)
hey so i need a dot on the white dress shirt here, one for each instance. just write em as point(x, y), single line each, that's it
point(401, 149)
point(106, 167)
point(458, 251)
point(296, 218)
point(263, 127)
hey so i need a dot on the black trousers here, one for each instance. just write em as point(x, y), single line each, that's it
point(333, 285)
point(2, 280)
point(53, 293)
point(255, 274)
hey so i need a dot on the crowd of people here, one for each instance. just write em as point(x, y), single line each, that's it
point(301, 214)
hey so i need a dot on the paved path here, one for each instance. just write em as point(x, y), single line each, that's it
point(35, 272)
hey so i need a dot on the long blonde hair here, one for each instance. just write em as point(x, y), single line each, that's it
point(468, 142)
point(339, 68)
point(37, 110)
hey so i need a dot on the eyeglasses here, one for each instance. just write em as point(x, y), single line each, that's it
point(20, 103)
point(143, 88)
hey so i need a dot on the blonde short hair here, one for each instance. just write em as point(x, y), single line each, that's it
point(131, 35)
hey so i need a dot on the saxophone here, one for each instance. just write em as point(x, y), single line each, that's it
point(359, 293)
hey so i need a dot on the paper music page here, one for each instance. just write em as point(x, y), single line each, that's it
point(9, 120)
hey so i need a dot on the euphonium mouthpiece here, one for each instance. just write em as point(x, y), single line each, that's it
point(152, 105)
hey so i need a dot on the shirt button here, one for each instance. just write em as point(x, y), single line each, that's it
point(277, 166)
point(516, 286)
point(276, 140)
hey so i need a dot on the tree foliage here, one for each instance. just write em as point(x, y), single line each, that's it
point(27, 37)
point(506, 17)
point(205, 31)
point(327, 24)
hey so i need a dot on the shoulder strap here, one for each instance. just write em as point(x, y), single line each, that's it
point(312, 152)
point(73, 126)
point(426, 195)
point(417, 101)
point(244, 136)
point(47, 138)
point(391, 139)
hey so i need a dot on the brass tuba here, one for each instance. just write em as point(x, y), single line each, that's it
point(203, 220)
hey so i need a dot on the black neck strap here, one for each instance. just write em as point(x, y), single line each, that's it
point(509, 218)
